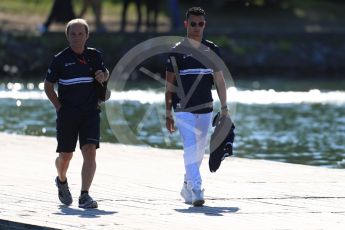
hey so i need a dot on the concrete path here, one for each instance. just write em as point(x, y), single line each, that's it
point(138, 188)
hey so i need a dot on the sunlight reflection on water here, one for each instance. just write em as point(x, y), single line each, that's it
point(306, 127)
point(235, 95)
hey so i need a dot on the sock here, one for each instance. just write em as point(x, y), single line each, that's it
point(60, 182)
point(82, 192)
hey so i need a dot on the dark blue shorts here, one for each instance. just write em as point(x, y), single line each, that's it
point(71, 123)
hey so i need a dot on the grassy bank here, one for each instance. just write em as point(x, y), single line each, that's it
point(43, 6)
point(26, 16)
point(290, 15)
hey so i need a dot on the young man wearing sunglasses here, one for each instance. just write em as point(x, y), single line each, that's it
point(190, 75)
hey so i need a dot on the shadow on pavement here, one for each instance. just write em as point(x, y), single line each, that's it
point(209, 211)
point(84, 213)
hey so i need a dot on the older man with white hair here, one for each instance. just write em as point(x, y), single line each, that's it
point(77, 70)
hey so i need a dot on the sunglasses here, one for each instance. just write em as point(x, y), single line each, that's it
point(200, 24)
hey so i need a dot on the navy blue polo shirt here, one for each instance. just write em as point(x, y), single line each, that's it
point(75, 77)
point(194, 76)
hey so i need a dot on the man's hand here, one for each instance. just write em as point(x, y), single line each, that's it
point(51, 94)
point(170, 124)
point(224, 111)
point(101, 76)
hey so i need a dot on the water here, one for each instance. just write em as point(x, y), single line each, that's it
point(305, 126)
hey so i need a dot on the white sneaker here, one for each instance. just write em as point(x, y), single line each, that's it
point(186, 193)
point(197, 195)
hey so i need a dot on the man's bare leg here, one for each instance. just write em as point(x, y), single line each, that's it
point(89, 166)
point(62, 163)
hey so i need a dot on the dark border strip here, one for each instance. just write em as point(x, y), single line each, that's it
point(12, 225)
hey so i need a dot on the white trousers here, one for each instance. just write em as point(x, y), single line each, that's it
point(193, 130)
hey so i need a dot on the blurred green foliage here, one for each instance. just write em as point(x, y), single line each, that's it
point(39, 6)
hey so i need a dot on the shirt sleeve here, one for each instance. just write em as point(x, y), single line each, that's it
point(53, 71)
point(217, 51)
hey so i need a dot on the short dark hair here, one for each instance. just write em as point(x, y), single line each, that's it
point(197, 11)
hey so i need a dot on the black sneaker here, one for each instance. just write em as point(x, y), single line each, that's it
point(86, 201)
point(64, 193)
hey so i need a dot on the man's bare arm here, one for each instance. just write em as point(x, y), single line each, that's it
point(169, 89)
point(51, 94)
point(221, 90)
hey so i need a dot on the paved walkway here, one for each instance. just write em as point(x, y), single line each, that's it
point(138, 188)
